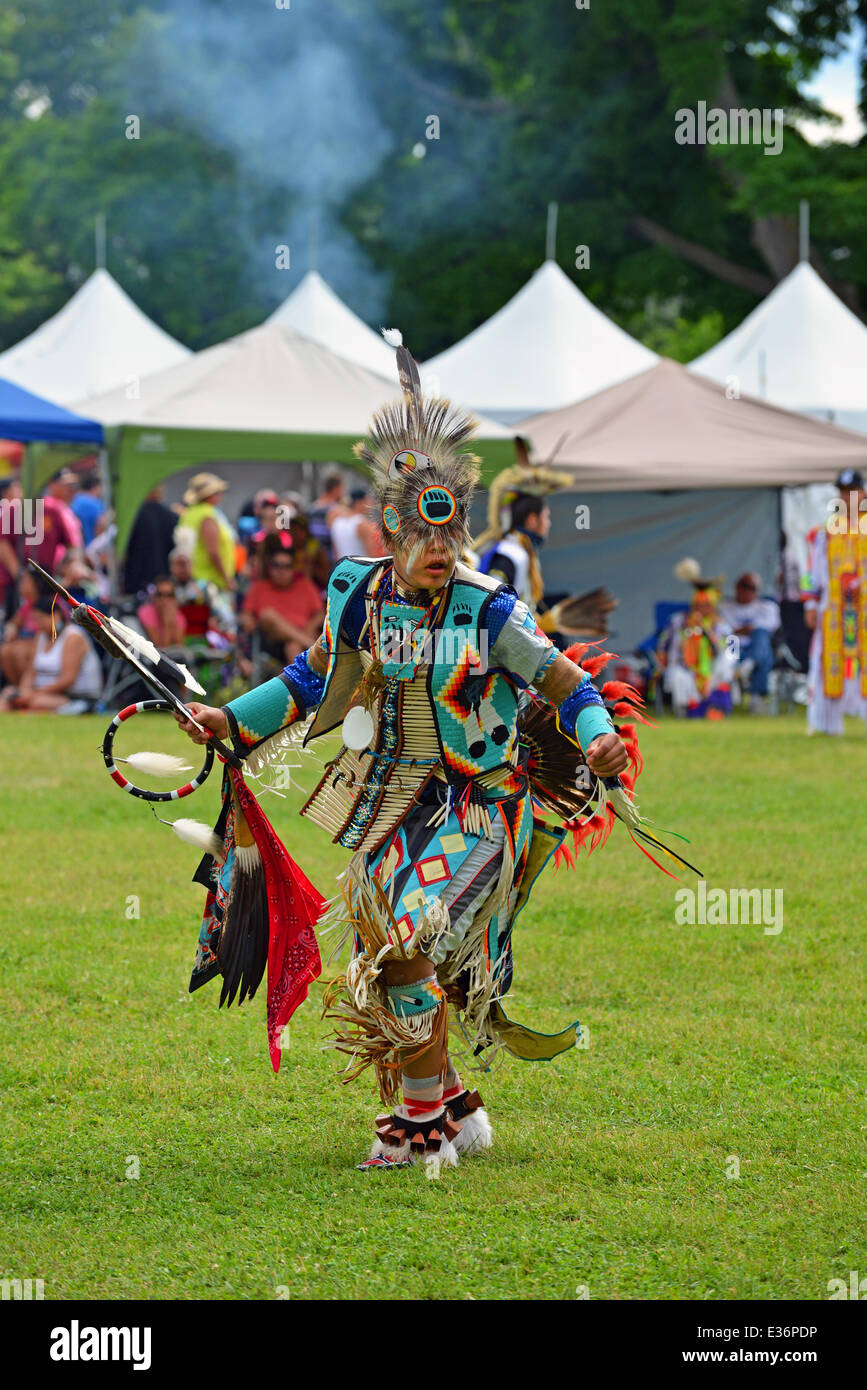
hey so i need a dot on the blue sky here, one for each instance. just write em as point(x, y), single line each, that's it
point(836, 86)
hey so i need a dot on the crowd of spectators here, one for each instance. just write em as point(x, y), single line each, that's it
point(716, 650)
point(240, 599)
point(45, 663)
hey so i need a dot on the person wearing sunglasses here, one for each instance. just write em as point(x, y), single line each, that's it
point(285, 606)
point(161, 618)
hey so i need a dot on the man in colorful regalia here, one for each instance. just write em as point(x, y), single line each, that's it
point(835, 608)
point(698, 661)
point(461, 723)
point(515, 559)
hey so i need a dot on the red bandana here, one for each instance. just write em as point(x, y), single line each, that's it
point(293, 906)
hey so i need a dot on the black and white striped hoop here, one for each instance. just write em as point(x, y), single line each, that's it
point(118, 777)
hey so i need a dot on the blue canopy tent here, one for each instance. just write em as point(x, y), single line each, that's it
point(39, 423)
point(29, 418)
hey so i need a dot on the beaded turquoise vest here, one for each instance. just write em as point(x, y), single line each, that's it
point(474, 707)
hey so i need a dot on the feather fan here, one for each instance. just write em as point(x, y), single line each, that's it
point(585, 615)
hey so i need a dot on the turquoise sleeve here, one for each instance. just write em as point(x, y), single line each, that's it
point(261, 712)
point(590, 722)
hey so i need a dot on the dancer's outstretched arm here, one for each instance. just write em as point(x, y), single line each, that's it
point(302, 681)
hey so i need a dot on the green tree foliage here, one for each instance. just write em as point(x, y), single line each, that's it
point(173, 197)
point(241, 142)
point(552, 102)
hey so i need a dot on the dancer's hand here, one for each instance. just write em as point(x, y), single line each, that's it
point(213, 719)
point(607, 756)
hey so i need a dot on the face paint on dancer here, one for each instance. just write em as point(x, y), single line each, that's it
point(426, 564)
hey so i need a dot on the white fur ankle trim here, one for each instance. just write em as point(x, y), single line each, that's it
point(475, 1133)
point(446, 1158)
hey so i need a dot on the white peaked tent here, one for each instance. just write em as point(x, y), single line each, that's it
point(546, 348)
point(98, 341)
point(268, 379)
point(801, 348)
point(315, 311)
point(266, 395)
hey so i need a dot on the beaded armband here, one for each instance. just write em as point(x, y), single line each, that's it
point(306, 684)
point(583, 716)
point(259, 713)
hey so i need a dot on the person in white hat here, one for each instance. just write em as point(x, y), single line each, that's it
point(212, 552)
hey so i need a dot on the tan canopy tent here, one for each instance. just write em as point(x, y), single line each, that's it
point(665, 465)
point(667, 428)
point(267, 395)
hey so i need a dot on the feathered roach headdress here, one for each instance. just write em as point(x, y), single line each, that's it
point(688, 571)
point(423, 478)
point(523, 479)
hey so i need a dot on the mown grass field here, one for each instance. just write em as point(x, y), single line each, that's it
point(707, 1044)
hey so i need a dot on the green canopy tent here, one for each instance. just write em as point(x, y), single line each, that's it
point(268, 395)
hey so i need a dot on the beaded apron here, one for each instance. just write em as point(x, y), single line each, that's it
point(362, 797)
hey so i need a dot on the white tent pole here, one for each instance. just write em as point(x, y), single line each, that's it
point(99, 240)
point(804, 231)
point(314, 238)
point(551, 233)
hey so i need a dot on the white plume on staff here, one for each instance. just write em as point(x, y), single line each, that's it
point(156, 764)
point(195, 832)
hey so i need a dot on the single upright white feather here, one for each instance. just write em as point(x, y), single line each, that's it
point(687, 570)
point(393, 337)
